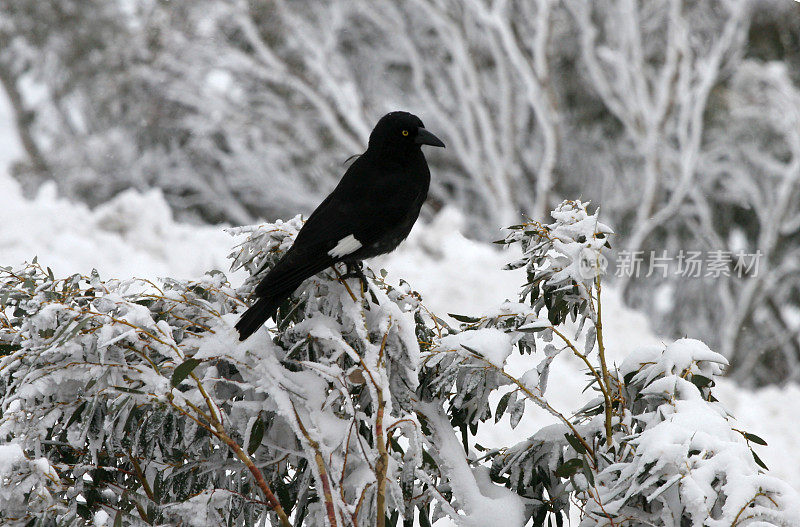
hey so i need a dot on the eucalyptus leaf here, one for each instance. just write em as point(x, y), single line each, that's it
point(183, 370)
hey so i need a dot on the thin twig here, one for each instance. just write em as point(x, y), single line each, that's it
point(382, 465)
point(219, 432)
point(323, 471)
point(344, 283)
point(602, 382)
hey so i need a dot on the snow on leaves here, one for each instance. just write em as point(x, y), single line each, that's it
point(684, 459)
point(565, 256)
point(134, 397)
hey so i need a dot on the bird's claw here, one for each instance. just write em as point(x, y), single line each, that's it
point(354, 270)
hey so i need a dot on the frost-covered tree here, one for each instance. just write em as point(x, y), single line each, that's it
point(709, 148)
point(654, 66)
point(748, 200)
point(222, 104)
point(134, 403)
point(64, 66)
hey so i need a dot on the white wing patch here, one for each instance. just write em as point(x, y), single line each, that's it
point(346, 245)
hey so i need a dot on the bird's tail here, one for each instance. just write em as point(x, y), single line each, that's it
point(253, 318)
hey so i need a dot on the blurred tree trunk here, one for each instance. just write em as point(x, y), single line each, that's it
point(22, 120)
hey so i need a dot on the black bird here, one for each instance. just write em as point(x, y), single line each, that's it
point(370, 212)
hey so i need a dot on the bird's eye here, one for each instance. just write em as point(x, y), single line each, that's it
point(405, 133)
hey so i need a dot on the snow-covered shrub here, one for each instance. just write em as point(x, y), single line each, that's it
point(88, 373)
point(681, 460)
point(143, 398)
point(134, 403)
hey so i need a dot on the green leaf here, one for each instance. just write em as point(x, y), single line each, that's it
point(128, 390)
point(701, 381)
point(472, 350)
point(587, 471)
point(396, 446)
point(423, 517)
point(158, 486)
point(256, 435)
point(516, 413)
point(531, 329)
point(755, 439)
point(83, 511)
point(118, 518)
point(473, 427)
point(464, 318)
point(428, 459)
point(629, 377)
point(501, 406)
point(758, 461)
point(76, 414)
point(183, 371)
point(574, 443)
point(569, 468)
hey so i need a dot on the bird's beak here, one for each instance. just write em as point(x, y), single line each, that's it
point(424, 137)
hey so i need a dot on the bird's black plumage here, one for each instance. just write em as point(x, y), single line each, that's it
point(370, 212)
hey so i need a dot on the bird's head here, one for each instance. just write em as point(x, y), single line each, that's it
point(400, 132)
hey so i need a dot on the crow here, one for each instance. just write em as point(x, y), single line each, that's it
point(370, 212)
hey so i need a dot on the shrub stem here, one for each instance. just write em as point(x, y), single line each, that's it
point(604, 367)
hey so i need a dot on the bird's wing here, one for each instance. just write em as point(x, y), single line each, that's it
point(292, 269)
point(313, 249)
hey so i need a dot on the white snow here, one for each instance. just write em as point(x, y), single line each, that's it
point(491, 343)
point(482, 500)
point(677, 357)
point(101, 519)
point(131, 235)
point(10, 455)
point(530, 379)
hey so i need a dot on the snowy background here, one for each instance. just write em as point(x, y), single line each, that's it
point(132, 133)
point(135, 234)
